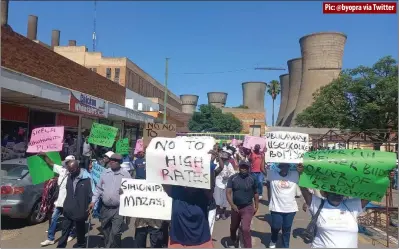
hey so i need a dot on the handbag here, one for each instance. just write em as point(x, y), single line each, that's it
point(310, 232)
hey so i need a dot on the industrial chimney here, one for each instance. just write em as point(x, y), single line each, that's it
point(285, 87)
point(189, 103)
point(55, 38)
point(217, 99)
point(322, 55)
point(72, 43)
point(295, 71)
point(254, 95)
point(4, 12)
point(32, 27)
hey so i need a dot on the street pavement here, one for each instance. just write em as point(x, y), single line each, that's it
point(17, 235)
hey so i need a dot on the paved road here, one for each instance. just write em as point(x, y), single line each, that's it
point(16, 235)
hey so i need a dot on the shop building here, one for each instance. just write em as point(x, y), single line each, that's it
point(42, 88)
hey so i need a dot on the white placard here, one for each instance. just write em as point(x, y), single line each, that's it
point(286, 147)
point(180, 161)
point(141, 199)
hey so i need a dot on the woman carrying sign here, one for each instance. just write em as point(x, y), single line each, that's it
point(336, 218)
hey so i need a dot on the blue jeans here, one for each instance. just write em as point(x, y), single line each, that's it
point(259, 179)
point(282, 221)
point(53, 224)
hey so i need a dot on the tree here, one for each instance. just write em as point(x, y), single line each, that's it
point(360, 99)
point(211, 118)
point(273, 89)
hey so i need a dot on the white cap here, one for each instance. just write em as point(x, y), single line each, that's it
point(109, 154)
point(69, 158)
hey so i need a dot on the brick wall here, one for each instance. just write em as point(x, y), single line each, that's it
point(247, 118)
point(20, 54)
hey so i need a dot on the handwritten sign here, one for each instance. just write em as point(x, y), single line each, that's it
point(96, 172)
point(123, 146)
point(103, 135)
point(141, 199)
point(251, 141)
point(139, 146)
point(180, 161)
point(158, 130)
point(356, 173)
point(46, 139)
point(39, 171)
point(286, 147)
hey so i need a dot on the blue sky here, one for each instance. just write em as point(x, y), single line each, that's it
point(208, 37)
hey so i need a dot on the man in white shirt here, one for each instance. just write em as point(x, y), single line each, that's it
point(62, 181)
point(86, 153)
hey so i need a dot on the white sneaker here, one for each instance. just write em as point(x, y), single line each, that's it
point(70, 238)
point(260, 197)
point(47, 242)
point(272, 245)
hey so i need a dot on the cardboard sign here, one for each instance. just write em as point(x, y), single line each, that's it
point(286, 147)
point(153, 130)
point(251, 141)
point(96, 172)
point(103, 135)
point(46, 139)
point(141, 199)
point(123, 146)
point(180, 161)
point(139, 146)
point(39, 170)
point(356, 173)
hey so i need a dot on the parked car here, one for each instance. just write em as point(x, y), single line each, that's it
point(19, 197)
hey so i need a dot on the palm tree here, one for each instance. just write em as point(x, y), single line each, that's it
point(273, 89)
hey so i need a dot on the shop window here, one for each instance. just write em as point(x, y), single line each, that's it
point(108, 73)
point(116, 75)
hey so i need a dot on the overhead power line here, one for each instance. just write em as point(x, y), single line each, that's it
point(233, 71)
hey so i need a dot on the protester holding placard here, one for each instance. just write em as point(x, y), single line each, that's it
point(221, 183)
point(139, 165)
point(59, 203)
point(217, 166)
point(283, 205)
point(257, 160)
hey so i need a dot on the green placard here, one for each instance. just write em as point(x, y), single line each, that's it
point(103, 135)
point(355, 173)
point(38, 168)
point(122, 146)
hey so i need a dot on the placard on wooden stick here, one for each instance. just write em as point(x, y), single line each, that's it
point(153, 130)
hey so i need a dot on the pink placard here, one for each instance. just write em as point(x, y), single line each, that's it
point(251, 141)
point(234, 142)
point(46, 139)
point(139, 146)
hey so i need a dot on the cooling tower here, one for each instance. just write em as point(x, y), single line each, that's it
point(321, 63)
point(217, 99)
point(4, 12)
point(295, 72)
point(55, 38)
point(32, 27)
point(189, 103)
point(285, 87)
point(254, 95)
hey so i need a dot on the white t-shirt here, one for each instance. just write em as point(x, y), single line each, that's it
point(336, 226)
point(86, 149)
point(222, 179)
point(283, 191)
point(62, 181)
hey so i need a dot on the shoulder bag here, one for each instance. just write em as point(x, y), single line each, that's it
point(310, 231)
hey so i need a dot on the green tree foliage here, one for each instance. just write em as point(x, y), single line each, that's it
point(211, 118)
point(364, 98)
point(273, 89)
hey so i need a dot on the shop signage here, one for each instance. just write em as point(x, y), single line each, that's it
point(86, 104)
point(138, 116)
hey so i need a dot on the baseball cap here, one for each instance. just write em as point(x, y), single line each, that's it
point(109, 154)
point(116, 156)
point(69, 158)
point(243, 164)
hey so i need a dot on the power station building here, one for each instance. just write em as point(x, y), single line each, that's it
point(320, 63)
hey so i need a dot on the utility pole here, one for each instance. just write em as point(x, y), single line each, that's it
point(271, 69)
point(165, 97)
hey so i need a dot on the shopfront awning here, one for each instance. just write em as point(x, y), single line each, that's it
point(21, 89)
point(118, 112)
